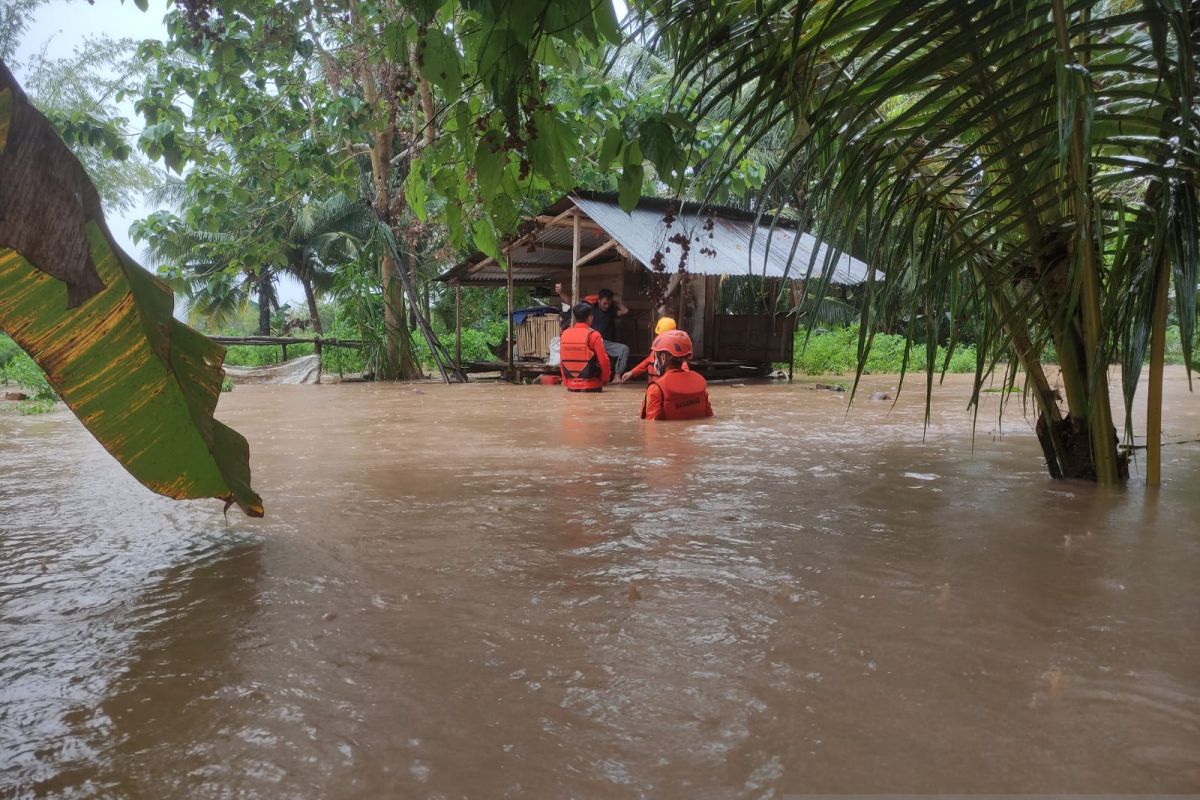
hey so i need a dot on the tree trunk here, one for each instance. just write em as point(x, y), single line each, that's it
point(1106, 466)
point(311, 297)
point(1067, 446)
point(1158, 336)
point(314, 318)
point(264, 305)
point(1072, 440)
point(410, 366)
point(393, 318)
point(398, 361)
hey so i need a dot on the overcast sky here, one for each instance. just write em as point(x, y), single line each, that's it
point(60, 27)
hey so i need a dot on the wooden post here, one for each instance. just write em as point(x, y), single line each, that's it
point(699, 331)
point(512, 344)
point(575, 241)
point(284, 346)
point(792, 357)
point(458, 324)
point(1158, 336)
point(679, 318)
point(712, 286)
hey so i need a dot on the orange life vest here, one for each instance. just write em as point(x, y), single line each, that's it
point(677, 395)
point(584, 364)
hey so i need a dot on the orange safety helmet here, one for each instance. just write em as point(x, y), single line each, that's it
point(665, 324)
point(674, 343)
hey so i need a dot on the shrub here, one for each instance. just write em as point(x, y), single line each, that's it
point(38, 406)
point(8, 351)
point(24, 371)
point(249, 355)
point(475, 346)
point(835, 352)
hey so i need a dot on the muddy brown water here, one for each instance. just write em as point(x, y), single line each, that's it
point(505, 591)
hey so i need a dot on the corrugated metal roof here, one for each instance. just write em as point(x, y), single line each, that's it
point(726, 242)
point(494, 275)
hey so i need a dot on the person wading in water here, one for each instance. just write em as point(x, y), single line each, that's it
point(647, 364)
point(606, 307)
point(585, 366)
point(677, 393)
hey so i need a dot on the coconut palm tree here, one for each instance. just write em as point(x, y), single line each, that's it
point(207, 267)
point(196, 264)
point(1028, 165)
point(323, 234)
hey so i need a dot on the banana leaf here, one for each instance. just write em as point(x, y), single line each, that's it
point(144, 384)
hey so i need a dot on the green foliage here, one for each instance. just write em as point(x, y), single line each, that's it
point(1030, 168)
point(587, 122)
point(467, 116)
point(8, 350)
point(15, 17)
point(227, 256)
point(18, 368)
point(246, 355)
point(343, 360)
point(37, 406)
point(835, 352)
point(79, 95)
point(359, 316)
point(475, 346)
point(1174, 346)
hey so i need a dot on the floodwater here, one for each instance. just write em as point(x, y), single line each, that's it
point(506, 591)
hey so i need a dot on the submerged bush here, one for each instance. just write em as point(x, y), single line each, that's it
point(39, 406)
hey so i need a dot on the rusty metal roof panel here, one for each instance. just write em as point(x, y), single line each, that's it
point(538, 254)
point(493, 275)
point(726, 246)
point(731, 244)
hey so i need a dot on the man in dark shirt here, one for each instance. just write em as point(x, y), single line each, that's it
point(605, 309)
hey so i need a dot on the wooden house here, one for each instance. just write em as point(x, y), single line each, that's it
point(720, 272)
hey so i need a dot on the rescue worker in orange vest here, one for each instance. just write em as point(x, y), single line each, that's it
point(585, 366)
point(676, 393)
point(647, 364)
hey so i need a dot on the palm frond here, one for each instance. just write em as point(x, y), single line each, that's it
point(825, 312)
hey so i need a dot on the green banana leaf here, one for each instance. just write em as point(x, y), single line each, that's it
point(101, 327)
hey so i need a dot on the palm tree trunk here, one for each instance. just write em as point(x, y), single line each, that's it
point(264, 304)
point(1102, 433)
point(1158, 336)
point(311, 298)
point(1066, 443)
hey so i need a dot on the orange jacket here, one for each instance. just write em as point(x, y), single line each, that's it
point(647, 365)
point(678, 394)
point(584, 365)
